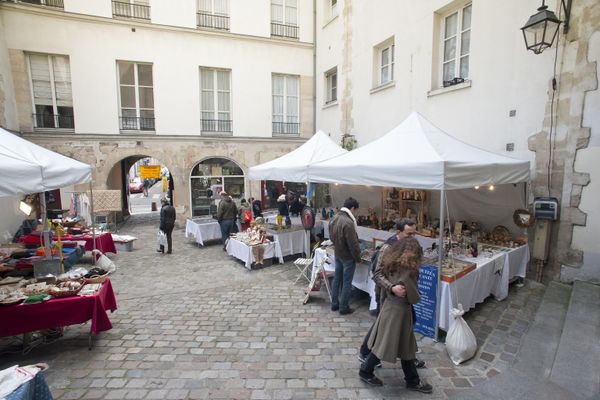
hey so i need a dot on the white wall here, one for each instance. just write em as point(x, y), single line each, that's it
point(177, 13)
point(586, 237)
point(8, 118)
point(10, 217)
point(94, 47)
point(504, 76)
point(99, 8)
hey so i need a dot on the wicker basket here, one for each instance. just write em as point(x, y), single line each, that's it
point(96, 279)
point(64, 293)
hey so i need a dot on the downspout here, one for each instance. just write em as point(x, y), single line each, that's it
point(314, 96)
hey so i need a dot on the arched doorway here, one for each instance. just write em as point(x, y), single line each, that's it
point(208, 178)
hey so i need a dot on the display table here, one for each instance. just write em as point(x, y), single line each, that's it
point(291, 241)
point(242, 251)
point(58, 312)
point(104, 241)
point(491, 277)
point(202, 229)
point(368, 234)
point(318, 228)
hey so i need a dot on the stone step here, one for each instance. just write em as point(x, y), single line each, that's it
point(577, 363)
point(536, 355)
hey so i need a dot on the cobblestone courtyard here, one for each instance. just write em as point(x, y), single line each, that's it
point(197, 325)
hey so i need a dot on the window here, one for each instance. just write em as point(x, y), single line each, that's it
point(333, 8)
point(456, 36)
point(213, 14)
point(209, 178)
point(331, 83)
point(284, 18)
point(285, 104)
point(136, 96)
point(51, 89)
point(139, 9)
point(215, 102)
point(49, 3)
point(386, 57)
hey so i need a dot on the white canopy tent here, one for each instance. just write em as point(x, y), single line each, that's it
point(294, 166)
point(416, 154)
point(28, 168)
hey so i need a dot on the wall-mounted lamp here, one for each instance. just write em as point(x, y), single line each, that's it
point(492, 188)
point(25, 208)
point(541, 29)
point(476, 187)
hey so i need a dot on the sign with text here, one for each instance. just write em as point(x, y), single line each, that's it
point(149, 171)
point(426, 308)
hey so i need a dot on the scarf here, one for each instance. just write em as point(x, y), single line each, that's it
point(344, 209)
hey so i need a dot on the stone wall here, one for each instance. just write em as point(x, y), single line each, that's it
point(179, 154)
point(576, 76)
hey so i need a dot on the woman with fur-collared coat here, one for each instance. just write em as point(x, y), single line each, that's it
point(392, 336)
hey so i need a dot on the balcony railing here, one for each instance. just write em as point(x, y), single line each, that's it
point(49, 3)
point(205, 20)
point(286, 128)
point(137, 123)
point(53, 121)
point(129, 10)
point(216, 125)
point(280, 30)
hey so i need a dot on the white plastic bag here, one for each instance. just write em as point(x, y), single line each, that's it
point(461, 343)
point(104, 262)
point(162, 238)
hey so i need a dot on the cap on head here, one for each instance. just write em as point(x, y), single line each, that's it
point(281, 198)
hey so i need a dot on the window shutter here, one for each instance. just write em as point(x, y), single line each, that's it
point(40, 77)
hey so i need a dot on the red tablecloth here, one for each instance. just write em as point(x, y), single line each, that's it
point(104, 241)
point(23, 318)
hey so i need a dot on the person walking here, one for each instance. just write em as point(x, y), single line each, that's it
point(167, 223)
point(342, 230)
point(245, 215)
point(392, 336)
point(146, 185)
point(226, 215)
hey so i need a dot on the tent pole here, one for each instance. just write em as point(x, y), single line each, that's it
point(440, 258)
point(46, 228)
point(93, 223)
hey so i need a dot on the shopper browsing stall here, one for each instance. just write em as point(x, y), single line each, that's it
point(347, 253)
point(226, 215)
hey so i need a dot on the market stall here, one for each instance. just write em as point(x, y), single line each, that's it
point(101, 241)
point(202, 229)
point(243, 251)
point(430, 160)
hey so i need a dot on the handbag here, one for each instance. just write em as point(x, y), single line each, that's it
point(247, 216)
point(161, 238)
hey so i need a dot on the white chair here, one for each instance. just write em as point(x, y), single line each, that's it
point(304, 264)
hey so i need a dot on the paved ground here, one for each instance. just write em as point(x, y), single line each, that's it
point(197, 325)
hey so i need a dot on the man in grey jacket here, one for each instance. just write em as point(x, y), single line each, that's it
point(342, 231)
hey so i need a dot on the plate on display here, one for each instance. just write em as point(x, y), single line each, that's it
point(308, 218)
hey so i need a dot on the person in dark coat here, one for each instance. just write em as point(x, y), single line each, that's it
point(256, 208)
point(282, 206)
point(167, 223)
point(296, 207)
point(392, 336)
point(342, 230)
point(226, 215)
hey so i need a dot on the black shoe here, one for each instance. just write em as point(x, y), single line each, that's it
point(362, 359)
point(419, 363)
point(370, 379)
point(347, 311)
point(335, 308)
point(421, 387)
point(170, 252)
point(160, 251)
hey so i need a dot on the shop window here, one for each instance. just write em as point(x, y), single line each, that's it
point(209, 178)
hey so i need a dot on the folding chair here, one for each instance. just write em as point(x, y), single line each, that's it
point(320, 274)
point(304, 264)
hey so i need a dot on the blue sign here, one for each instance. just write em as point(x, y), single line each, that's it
point(426, 308)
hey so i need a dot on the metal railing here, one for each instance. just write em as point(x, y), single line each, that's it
point(286, 128)
point(205, 20)
point(129, 10)
point(53, 121)
point(49, 3)
point(280, 30)
point(216, 125)
point(137, 123)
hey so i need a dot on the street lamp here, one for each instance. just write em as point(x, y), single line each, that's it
point(542, 27)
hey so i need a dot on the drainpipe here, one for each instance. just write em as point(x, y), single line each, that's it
point(314, 96)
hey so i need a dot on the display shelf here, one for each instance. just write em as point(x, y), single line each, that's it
point(399, 203)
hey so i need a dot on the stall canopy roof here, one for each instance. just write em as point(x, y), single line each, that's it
point(416, 154)
point(29, 168)
point(293, 167)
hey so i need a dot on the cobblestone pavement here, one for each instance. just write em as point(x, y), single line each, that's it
point(197, 325)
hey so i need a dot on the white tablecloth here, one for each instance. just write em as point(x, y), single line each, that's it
point(202, 229)
point(368, 234)
point(296, 221)
point(469, 290)
point(243, 252)
point(291, 241)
